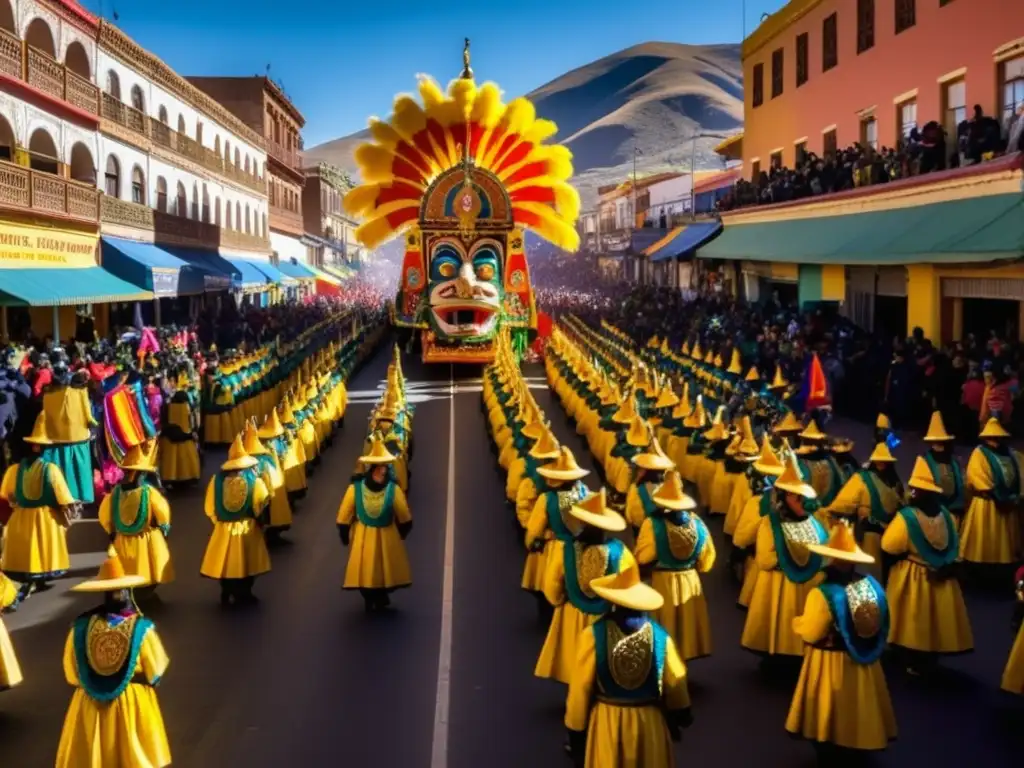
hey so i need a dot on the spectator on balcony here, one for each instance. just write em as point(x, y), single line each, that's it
point(1016, 137)
point(983, 137)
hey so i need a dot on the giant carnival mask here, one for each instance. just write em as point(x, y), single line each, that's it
point(462, 177)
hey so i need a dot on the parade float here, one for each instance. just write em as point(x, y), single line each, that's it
point(462, 177)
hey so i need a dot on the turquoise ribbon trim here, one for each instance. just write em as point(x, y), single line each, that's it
point(665, 557)
point(106, 688)
point(800, 574)
point(387, 510)
point(223, 514)
point(595, 606)
point(650, 689)
point(646, 501)
point(141, 516)
point(47, 498)
point(862, 650)
point(955, 502)
point(1000, 488)
point(555, 521)
point(935, 558)
point(876, 513)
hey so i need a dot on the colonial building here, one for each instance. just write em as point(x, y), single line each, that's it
point(332, 231)
point(261, 105)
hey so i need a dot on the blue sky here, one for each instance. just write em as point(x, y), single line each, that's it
point(342, 61)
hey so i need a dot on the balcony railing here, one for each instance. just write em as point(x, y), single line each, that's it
point(164, 136)
point(287, 156)
point(163, 225)
point(285, 218)
point(45, 193)
point(20, 60)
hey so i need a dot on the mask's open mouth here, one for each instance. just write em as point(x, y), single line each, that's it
point(456, 320)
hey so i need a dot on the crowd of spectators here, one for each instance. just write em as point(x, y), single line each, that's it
point(923, 151)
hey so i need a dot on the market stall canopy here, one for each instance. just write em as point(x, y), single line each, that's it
point(293, 269)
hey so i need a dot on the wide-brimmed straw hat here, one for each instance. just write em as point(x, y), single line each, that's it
point(625, 413)
point(811, 432)
point(627, 590)
point(593, 510)
point(546, 446)
point(271, 428)
point(922, 479)
point(238, 457)
point(841, 545)
point(638, 434)
point(379, 454)
point(768, 462)
point(563, 468)
point(251, 441)
point(653, 457)
point(111, 577)
point(670, 494)
point(789, 423)
point(791, 481)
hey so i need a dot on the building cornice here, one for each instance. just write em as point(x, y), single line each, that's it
point(776, 24)
point(281, 99)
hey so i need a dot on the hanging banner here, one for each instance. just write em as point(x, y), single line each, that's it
point(27, 247)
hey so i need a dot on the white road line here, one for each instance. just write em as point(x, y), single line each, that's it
point(439, 753)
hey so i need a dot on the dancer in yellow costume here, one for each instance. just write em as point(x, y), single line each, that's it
point(675, 547)
point(590, 555)
point(766, 468)
point(114, 660)
point(651, 464)
point(991, 529)
point(137, 518)
point(279, 510)
point(787, 569)
point(1013, 674)
point(272, 433)
point(373, 521)
point(10, 672)
point(628, 698)
point(741, 453)
point(522, 485)
point(236, 501)
point(929, 616)
point(35, 537)
point(841, 699)
point(179, 438)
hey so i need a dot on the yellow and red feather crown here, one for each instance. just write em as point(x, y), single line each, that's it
point(419, 143)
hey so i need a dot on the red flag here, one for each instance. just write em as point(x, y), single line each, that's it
point(544, 325)
point(817, 389)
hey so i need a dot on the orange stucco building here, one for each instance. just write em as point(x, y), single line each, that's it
point(823, 74)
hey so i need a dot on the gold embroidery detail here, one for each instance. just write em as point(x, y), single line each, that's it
point(821, 475)
point(107, 645)
point(591, 563)
point(798, 534)
point(863, 602)
point(373, 502)
point(128, 513)
point(682, 539)
point(234, 494)
point(565, 501)
point(935, 530)
point(630, 656)
point(887, 496)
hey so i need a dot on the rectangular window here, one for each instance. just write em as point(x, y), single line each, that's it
point(1013, 89)
point(802, 46)
point(829, 144)
point(830, 43)
point(776, 161)
point(138, 196)
point(800, 153)
point(778, 71)
point(954, 98)
point(906, 15)
point(110, 184)
point(865, 25)
point(869, 132)
point(758, 90)
point(755, 171)
point(161, 200)
point(907, 114)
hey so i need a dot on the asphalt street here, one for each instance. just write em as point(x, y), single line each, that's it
point(445, 679)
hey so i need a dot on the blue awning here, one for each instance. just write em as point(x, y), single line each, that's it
point(65, 287)
point(250, 277)
point(293, 269)
point(151, 268)
point(273, 274)
point(683, 240)
point(218, 274)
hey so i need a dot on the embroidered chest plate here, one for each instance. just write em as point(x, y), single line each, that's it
point(864, 610)
point(128, 510)
point(888, 497)
point(235, 493)
point(821, 475)
point(566, 499)
point(1009, 470)
point(935, 530)
point(591, 563)
point(108, 645)
point(682, 539)
point(798, 534)
point(630, 656)
point(373, 502)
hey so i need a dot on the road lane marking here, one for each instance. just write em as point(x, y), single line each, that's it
point(439, 752)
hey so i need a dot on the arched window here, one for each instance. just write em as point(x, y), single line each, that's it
point(216, 145)
point(263, 231)
point(238, 215)
point(138, 101)
point(181, 205)
point(138, 186)
point(227, 152)
point(195, 200)
point(227, 215)
point(112, 177)
point(181, 126)
point(113, 84)
point(161, 194)
point(216, 211)
point(206, 205)
point(248, 221)
point(163, 116)
point(247, 164)
point(238, 158)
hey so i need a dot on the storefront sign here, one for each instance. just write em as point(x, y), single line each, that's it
point(27, 247)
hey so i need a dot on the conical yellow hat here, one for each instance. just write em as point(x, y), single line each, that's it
point(882, 422)
point(717, 362)
point(563, 468)
point(768, 462)
point(39, 435)
point(842, 545)
point(683, 407)
point(271, 427)
point(593, 510)
point(791, 481)
point(238, 457)
point(717, 430)
point(697, 418)
point(140, 458)
point(752, 374)
point(686, 348)
point(937, 430)
point(747, 445)
point(626, 412)
point(251, 441)
point(379, 454)
point(735, 366)
point(546, 446)
point(111, 577)
point(653, 457)
point(922, 478)
point(670, 494)
point(779, 381)
point(993, 430)
point(789, 423)
point(811, 432)
point(882, 455)
point(666, 398)
point(638, 433)
point(627, 590)
point(697, 353)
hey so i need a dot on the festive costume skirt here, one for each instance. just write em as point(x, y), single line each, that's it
point(750, 571)
point(146, 555)
point(75, 462)
point(685, 612)
point(773, 606)
point(720, 490)
point(619, 736)
point(35, 546)
point(927, 613)
point(558, 655)
point(1013, 675)
point(377, 559)
point(10, 672)
point(991, 533)
point(280, 510)
point(235, 551)
point(179, 462)
point(127, 733)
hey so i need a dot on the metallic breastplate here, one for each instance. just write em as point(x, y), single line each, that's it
point(108, 645)
point(682, 539)
point(630, 656)
point(373, 502)
point(591, 563)
point(798, 534)
point(935, 530)
point(864, 609)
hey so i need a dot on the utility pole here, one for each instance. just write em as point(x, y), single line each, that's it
point(636, 151)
